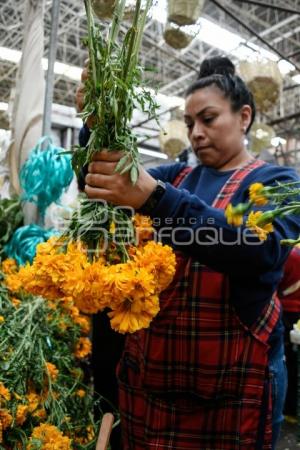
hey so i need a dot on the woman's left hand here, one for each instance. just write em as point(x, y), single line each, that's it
point(102, 182)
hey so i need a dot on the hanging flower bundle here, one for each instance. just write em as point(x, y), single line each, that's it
point(104, 259)
point(282, 199)
point(44, 403)
point(129, 289)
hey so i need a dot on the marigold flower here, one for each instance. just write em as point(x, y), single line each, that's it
point(2, 319)
point(143, 227)
point(9, 266)
point(134, 314)
point(4, 393)
point(50, 437)
point(33, 401)
point(5, 418)
point(52, 371)
point(233, 216)
point(263, 229)
point(159, 260)
point(256, 194)
point(80, 393)
point(21, 414)
point(84, 323)
point(83, 347)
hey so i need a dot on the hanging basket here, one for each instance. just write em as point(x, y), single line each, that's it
point(173, 138)
point(184, 12)
point(177, 38)
point(260, 137)
point(264, 80)
point(103, 9)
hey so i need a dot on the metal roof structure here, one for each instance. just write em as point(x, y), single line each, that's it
point(271, 24)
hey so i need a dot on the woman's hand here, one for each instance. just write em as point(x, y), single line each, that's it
point(102, 182)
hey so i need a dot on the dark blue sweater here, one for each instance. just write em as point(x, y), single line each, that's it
point(254, 270)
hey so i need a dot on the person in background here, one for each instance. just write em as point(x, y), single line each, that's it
point(289, 295)
point(209, 372)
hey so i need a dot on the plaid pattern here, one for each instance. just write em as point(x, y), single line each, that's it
point(289, 287)
point(196, 378)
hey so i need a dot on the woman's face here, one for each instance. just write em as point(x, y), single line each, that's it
point(215, 131)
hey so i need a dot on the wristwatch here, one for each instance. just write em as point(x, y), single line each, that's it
point(155, 197)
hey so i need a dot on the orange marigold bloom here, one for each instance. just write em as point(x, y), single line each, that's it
point(83, 347)
point(160, 260)
point(4, 393)
point(84, 323)
point(143, 227)
point(133, 315)
point(9, 266)
point(52, 371)
point(5, 418)
point(21, 414)
point(50, 437)
point(80, 393)
point(33, 401)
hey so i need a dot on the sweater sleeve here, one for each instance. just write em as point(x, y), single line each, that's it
point(188, 224)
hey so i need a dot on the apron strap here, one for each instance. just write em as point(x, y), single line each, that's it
point(234, 182)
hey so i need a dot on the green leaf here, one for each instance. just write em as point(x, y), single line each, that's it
point(134, 174)
point(121, 163)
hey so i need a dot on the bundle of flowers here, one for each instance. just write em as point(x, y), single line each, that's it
point(273, 201)
point(44, 403)
point(130, 289)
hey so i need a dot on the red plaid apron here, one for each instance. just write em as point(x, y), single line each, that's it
point(196, 378)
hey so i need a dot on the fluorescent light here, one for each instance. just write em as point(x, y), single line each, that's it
point(144, 151)
point(68, 71)
point(10, 55)
point(278, 140)
point(3, 106)
point(296, 78)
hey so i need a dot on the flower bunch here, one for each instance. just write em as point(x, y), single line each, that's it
point(44, 402)
point(129, 289)
point(279, 199)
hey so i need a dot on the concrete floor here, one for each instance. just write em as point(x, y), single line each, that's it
point(288, 438)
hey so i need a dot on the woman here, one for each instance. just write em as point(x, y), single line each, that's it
point(201, 376)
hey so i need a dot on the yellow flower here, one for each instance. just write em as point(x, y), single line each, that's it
point(4, 393)
point(84, 323)
point(5, 418)
point(143, 227)
point(80, 393)
point(234, 217)
point(134, 314)
point(33, 401)
point(52, 371)
point(83, 347)
point(9, 266)
point(112, 227)
point(160, 261)
point(21, 414)
point(50, 437)
point(40, 414)
point(256, 196)
point(2, 319)
point(262, 230)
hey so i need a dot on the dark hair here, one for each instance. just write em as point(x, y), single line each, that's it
point(221, 72)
